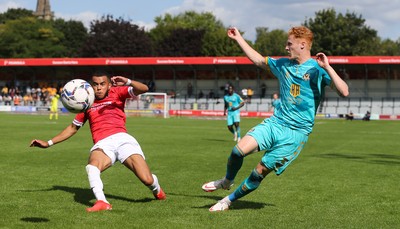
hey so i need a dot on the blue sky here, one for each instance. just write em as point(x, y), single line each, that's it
point(381, 15)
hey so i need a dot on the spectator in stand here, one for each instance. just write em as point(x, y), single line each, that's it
point(17, 99)
point(28, 101)
point(189, 90)
point(34, 96)
point(147, 101)
point(7, 100)
point(172, 94)
point(51, 91)
point(244, 93)
point(250, 94)
point(11, 92)
point(44, 96)
point(263, 90)
point(201, 94)
point(4, 90)
point(350, 116)
point(28, 90)
point(367, 116)
point(211, 95)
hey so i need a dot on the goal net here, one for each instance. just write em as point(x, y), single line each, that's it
point(148, 104)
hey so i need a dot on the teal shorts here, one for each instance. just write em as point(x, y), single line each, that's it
point(232, 118)
point(282, 144)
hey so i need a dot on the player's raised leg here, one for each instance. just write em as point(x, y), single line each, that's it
point(246, 146)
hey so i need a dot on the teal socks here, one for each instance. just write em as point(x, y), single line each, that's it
point(250, 184)
point(235, 162)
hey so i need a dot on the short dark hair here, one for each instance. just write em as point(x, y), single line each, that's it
point(101, 72)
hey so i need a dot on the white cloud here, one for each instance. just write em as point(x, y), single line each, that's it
point(85, 17)
point(145, 25)
point(5, 5)
point(381, 15)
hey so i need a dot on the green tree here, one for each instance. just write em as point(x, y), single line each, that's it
point(270, 43)
point(338, 34)
point(389, 48)
point(13, 14)
point(214, 40)
point(117, 38)
point(75, 35)
point(30, 38)
point(172, 45)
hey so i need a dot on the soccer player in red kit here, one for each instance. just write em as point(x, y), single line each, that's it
point(111, 141)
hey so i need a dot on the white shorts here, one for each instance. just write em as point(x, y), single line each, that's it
point(119, 147)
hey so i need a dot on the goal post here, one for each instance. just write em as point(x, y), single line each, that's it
point(149, 104)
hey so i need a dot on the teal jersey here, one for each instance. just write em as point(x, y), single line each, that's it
point(232, 101)
point(276, 103)
point(301, 89)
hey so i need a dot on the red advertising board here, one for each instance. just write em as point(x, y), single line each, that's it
point(179, 61)
point(217, 113)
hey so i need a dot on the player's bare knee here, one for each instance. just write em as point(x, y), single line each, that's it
point(263, 169)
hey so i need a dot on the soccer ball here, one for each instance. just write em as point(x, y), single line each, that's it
point(77, 96)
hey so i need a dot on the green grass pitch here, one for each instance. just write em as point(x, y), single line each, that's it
point(347, 176)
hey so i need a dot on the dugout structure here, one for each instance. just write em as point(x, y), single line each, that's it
point(374, 81)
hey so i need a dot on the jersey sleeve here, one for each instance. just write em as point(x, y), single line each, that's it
point(80, 119)
point(239, 99)
point(274, 66)
point(125, 92)
point(131, 93)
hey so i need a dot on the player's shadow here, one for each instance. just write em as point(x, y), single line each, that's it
point(239, 204)
point(84, 195)
point(35, 219)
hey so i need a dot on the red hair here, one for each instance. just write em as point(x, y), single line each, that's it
point(302, 32)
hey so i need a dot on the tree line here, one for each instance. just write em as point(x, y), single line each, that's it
point(189, 34)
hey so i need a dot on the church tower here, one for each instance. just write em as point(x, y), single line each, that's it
point(43, 10)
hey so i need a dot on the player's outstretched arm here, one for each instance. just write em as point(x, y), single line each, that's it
point(339, 85)
point(68, 132)
point(252, 54)
point(138, 87)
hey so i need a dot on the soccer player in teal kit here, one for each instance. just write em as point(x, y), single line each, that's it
point(301, 82)
point(233, 102)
